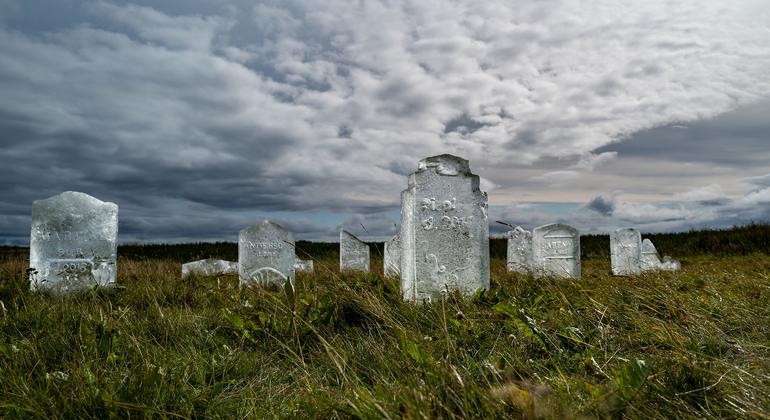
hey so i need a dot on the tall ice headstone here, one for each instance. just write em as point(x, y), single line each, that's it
point(444, 230)
point(556, 251)
point(73, 242)
point(626, 252)
point(266, 254)
point(519, 250)
point(392, 259)
point(354, 253)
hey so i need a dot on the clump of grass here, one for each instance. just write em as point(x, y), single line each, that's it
point(686, 344)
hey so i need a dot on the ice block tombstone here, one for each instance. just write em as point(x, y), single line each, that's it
point(556, 251)
point(444, 230)
point(266, 254)
point(651, 259)
point(73, 243)
point(519, 250)
point(626, 252)
point(303, 266)
point(209, 267)
point(354, 253)
point(392, 258)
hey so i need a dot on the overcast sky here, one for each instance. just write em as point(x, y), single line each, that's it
point(201, 117)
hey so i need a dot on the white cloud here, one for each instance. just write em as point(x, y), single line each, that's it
point(310, 104)
point(709, 194)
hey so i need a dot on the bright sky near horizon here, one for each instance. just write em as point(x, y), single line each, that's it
point(201, 117)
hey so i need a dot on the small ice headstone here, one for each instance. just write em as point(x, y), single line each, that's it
point(519, 250)
point(651, 259)
point(626, 252)
point(266, 254)
point(209, 267)
point(73, 243)
point(303, 266)
point(392, 258)
point(354, 253)
point(670, 264)
point(444, 230)
point(556, 251)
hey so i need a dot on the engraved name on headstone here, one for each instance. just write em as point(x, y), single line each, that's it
point(519, 250)
point(73, 242)
point(209, 267)
point(303, 266)
point(444, 230)
point(354, 253)
point(556, 251)
point(392, 258)
point(266, 254)
point(626, 252)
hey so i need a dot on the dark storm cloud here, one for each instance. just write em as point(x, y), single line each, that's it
point(199, 117)
point(602, 204)
point(735, 138)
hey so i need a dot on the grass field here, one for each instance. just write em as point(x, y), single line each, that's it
point(664, 345)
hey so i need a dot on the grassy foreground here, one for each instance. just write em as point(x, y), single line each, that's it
point(689, 344)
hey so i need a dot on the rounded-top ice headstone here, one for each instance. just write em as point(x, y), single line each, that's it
point(444, 230)
point(354, 253)
point(519, 250)
point(556, 251)
point(266, 254)
point(73, 242)
point(626, 251)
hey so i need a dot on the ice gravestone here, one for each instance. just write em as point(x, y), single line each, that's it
point(626, 252)
point(209, 267)
point(266, 254)
point(444, 230)
point(519, 250)
point(650, 260)
point(556, 251)
point(73, 242)
point(354, 253)
point(392, 258)
point(303, 266)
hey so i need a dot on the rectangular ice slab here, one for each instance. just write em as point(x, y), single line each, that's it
point(354, 253)
point(266, 254)
point(651, 259)
point(626, 252)
point(303, 266)
point(519, 250)
point(73, 242)
point(209, 267)
point(392, 258)
point(556, 251)
point(444, 230)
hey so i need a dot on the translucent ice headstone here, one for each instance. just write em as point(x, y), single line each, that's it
point(626, 252)
point(444, 230)
point(266, 254)
point(556, 251)
point(73, 243)
point(392, 258)
point(519, 250)
point(354, 253)
point(651, 259)
point(209, 267)
point(303, 266)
